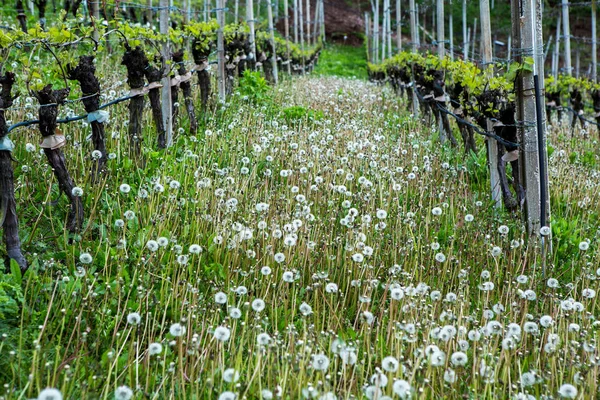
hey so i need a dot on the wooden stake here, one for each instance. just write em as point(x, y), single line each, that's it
point(567, 33)
point(376, 31)
point(464, 29)
point(451, 32)
point(286, 21)
point(594, 44)
point(383, 30)
point(440, 29)
point(250, 21)
point(492, 144)
point(399, 25)
point(322, 23)
point(166, 80)
point(272, 34)
point(557, 49)
point(296, 21)
point(220, 50)
point(368, 36)
point(414, 46)
point(308, 42)
point(475, 38)
point(301, 25)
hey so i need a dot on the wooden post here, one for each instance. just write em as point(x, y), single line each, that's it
point(594, 44)
point(272, 34)
point(383, 30)
point(236, 14)
point(166, 80)
point(464, 29)
point(286, 21)
point(220, 50)
point(315, 28)
point(557, 49)
point(399, 25)
point(368, 36)
point(418, 35)
point(567, 35)
point(301, 25)
point(475, 38)
point(547, 48)
point(250, 21)
point(414, 46)
point(95, 13)
point(389, 28)
point(308, 37)
point(322, 22)
point(296, 21)
point(440, 29)
point(149, 16)
point(577, 61)
point(524, 37)
point(451, 31)
point(206, 11)
point(376, 31)
point(492, 144)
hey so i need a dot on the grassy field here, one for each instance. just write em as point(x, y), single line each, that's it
point(343, 61)
point(312, 241)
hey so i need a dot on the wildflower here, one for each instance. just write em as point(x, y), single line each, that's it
point(174, 185)
point(129, 215)
point(379, 379)
point(123, 393)
point(390, 364)
point(29, 147)
point(331, 287)
point(397, 293)
point(152, 245)
point(381, 214)
point(450, 376)
point(530, 327)
point(220, 298)
point(119, 223)
point(77, 191)
point(85, 258)
point(305, 309)
point(222, 334)
point(231, 375)
point(182, 259)
point(235, 312)
point(288, 276)
point(545, 230)
point(266, 394)
point(546, 321)
point(459, 359)
point(155, 349)
point(552, 283)
point(440, 257)
point(503, 229)
point(96, 154)
point(241, 290)
point(588, 293)
point(402, 388)
point(279, 258)
point(496, 251)
point(320, 362)
point(567, 391)
point(125, 188)
point(358, 257)
point(527, 379)
point(227, 395)
point(583, 246)
point(373, 392)
point(265, 271)
point(50, 393)
point(437, 211)
point(469, 218)
point(177, 330)
point(195, 249)
point(258, 305)
point(134, 318)
point(263, 339)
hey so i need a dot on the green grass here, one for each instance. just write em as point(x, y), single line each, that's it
point(344, 61)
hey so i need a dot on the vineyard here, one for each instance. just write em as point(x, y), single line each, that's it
point(213, 201)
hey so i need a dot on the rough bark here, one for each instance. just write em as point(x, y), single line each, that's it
point(85, 74)
point(21, 16)
point(186, 88)
point(200, 55)
point(154, 74)
point(8, 204)
point(136, 62)
point(50, 99)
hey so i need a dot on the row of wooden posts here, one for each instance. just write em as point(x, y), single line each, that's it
point(379, 35)
point(530, 109)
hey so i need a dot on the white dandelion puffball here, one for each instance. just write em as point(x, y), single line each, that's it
point(320, 362)
point(222, 334)
point(469, 218)
point(567, 391)
point(227, 395)
point(134, 318)
point(305, 309)
point(85, 258)
point(583, 246)
point(436, 211)
point(77, 191)
point(390, 364)
point(258, 305)
point(177, 330)
point(263, 339)
point(50, 394)
point(402, 389)
point(545, 230)
point(231, 375)
point(125, 188)
point(220, 298)
point(155, 348)
point(123, 393)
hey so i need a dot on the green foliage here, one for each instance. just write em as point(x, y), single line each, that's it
point(254, 86)
point(297, 113)
point(11, 294)
point(345, 61)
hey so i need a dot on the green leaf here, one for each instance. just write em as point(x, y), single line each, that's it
point(15, 270)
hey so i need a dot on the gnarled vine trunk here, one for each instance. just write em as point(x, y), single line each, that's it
point(186, 88)
point(136, 62)
point(85, 74)
point(154, 75)
point(21, 16)
point(48, 112)
point(8, 205)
